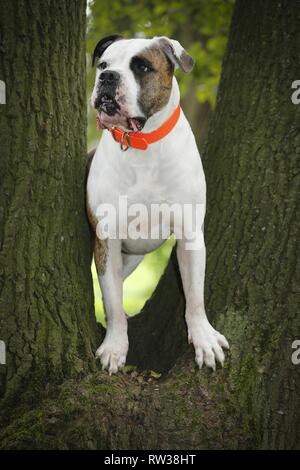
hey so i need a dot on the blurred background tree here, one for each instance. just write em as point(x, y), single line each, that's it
point(202, 27)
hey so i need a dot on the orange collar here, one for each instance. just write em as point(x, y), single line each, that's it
point(140, 141)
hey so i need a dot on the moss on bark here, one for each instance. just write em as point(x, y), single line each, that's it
point(184, 409)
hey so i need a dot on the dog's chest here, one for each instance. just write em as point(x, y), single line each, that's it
point(146, 184)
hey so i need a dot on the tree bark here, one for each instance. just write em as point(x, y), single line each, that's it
point(252, 221)
point(251, 292)
point(46, 309)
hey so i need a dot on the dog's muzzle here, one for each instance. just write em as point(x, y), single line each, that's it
point(108, 82)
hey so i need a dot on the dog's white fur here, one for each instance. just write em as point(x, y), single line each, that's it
point(169, 171)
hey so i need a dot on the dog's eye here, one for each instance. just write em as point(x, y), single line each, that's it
point(140, 66)
point(144, 67)
point(102, 65)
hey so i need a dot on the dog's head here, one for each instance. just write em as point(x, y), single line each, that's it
point(134, 78)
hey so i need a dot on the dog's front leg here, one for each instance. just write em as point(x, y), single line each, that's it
point(207, 341)
point(113, 350)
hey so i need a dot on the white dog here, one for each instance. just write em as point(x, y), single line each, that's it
point(135, 90)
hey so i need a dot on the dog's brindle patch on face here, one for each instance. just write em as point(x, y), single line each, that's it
point(155, 85)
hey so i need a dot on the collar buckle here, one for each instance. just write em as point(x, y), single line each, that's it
point(124, 139)
point(126, 136)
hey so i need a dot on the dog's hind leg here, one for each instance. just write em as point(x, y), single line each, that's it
point(130, 262)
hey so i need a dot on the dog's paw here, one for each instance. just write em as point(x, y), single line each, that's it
point(112, 352)
point(208, 343)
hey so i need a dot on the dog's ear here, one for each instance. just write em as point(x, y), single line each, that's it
point(103, 44)
point(176, 53)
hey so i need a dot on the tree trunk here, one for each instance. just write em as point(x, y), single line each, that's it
point(252, 167)
point(250, 164)
point(46, 312)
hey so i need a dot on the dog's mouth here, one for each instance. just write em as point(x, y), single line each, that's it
point(108, 105)
point(110, 115)
point(136, 124)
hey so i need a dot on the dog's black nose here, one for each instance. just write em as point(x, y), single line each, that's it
point(109, 76)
